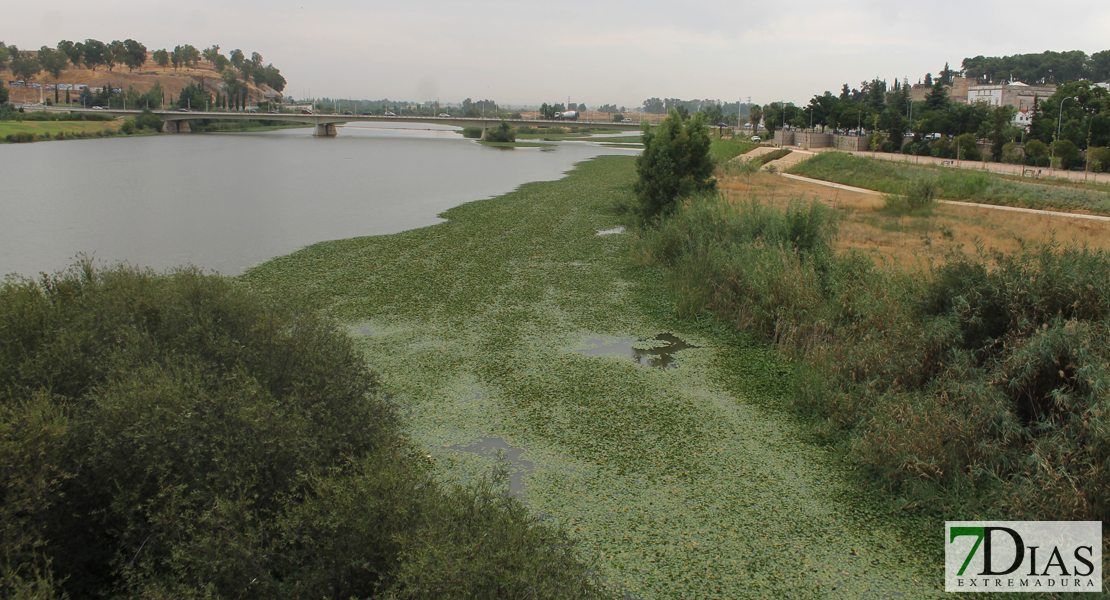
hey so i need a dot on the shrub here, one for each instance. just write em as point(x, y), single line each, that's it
point(675, 163)
point(1065, 154)
point(128, 126)
point(1012, 153)
point(165, 434)
point(1036, 153)
point(1099, 159)
point(502, 133)
point(472, 132)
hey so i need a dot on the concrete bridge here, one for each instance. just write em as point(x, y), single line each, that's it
point(177, 121)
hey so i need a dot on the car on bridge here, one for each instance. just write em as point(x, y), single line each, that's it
point(389, 114)
point(445, 115)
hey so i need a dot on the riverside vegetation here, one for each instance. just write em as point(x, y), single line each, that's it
point(510, 328)
point(977, 388)
point(175, 436)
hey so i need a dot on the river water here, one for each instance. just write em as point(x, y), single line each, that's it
point(224, 202)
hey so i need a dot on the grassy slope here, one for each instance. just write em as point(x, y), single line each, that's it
point(976, 186)
point(688, 483)
point(55, 127)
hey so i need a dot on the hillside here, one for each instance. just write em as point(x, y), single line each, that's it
point(143, 78)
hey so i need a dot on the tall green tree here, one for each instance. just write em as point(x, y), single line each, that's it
point(237, 58)
point(999, 124)
point(5, 54)
point(134, 55)
point(94, 53)
point(72, 52)
point(25, 66)
point(755, 113)
point(162, 58)
point(675, 163)
point(53, 61)
point(116, 55)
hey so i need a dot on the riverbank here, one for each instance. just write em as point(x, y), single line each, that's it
point(515, 330)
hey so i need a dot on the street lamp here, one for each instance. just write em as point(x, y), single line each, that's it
point(1059, 118)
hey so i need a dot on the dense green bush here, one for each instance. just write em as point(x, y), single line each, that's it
point(502, 133)
point(1065, 154)
point(472, 132)
point(979, 387)
point(1099, 159)
point(174, 436)
point(674, 164)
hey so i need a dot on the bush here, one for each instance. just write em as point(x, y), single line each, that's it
point(1036, 153)
point(675, 163)
point(1012, 153)
point(502, 133)
point(1099, 159)
point(1065, 154)
point(978, 387)
point(174, 436)
point(472, 132)
point(128, 126)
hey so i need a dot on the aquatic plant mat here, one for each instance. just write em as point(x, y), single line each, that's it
point(515, 333)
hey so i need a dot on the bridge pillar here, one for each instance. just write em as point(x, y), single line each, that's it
point(175, 127)
point(326, 130)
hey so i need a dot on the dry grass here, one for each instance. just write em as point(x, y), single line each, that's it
point(142, 79)
point(906, 238)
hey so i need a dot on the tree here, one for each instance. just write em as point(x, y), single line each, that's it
point(211, 53)
point(25, 66)
point(1036, 153)
point(134, 55)
point(675, 163)
point(3, 93)
point(94, 53)
point(237, 58)
point(190, 55)
point(928, 80)
point(115, 55)
point(72, 52)
point(162, 58)
point(937, 98)
point(755, 113)
point(999, 124)
point(654, 106)
point(53, 61)
point(5, 54)
point(177, 57)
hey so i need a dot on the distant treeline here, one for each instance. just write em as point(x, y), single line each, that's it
point(658, 106)
point(91, 54)
point(1047, 67)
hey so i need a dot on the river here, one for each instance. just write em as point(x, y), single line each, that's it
point(225, 202)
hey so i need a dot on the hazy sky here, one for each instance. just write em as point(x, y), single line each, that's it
point(594, 52)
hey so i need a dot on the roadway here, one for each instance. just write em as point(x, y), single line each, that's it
point(334, 119)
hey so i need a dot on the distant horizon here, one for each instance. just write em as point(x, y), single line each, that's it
point(597, 53)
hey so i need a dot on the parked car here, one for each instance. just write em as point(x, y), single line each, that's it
point(756, 138)
point(626, 120)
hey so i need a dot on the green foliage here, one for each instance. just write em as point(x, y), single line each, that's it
point(472, 132)
point(919, 196)
point(675, 163)
point(502, 133)
point(723, 150)
point(194, 97)
point(995, 362)
point(1036, 153)
point(174, 435)
point(1065, 154)
point(1099, 159)
point(957, 184)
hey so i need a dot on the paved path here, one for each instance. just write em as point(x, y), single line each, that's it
point(1019, 170)
point(953, 202)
